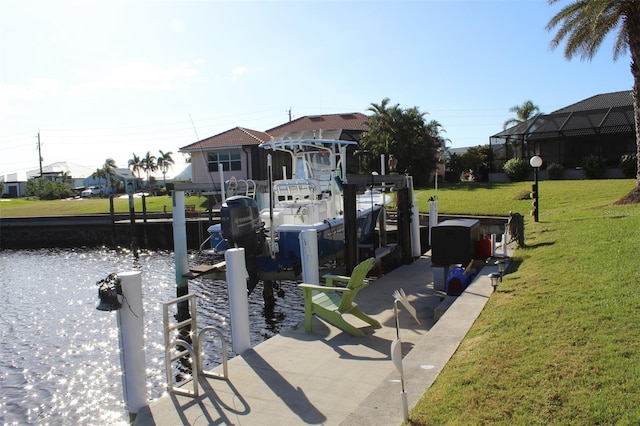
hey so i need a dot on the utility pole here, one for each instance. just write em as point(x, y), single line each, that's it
point(39, 154)
point(289, 111)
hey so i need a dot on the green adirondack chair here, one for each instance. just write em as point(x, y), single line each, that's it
point(333, 302)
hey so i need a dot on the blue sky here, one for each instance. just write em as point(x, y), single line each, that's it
point(102, 79)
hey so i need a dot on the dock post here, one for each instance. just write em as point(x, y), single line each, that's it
point(113, 221)
point(404, 224)
point(131, 331)
point(309, 255)
point(350, 228)
point(144, 220)
point(180, 255)
point(433, 215)
point(416, 250)
point(238, 299)
point(132, 219)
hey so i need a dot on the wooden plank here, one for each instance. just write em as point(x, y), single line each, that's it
point(203, 269)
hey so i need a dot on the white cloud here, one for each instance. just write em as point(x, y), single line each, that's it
point(37, 88)
point(238, 72)
point(132, 76)
point(141, 76)
point(177, 25)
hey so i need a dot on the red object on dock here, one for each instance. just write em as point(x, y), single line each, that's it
point(484, 247)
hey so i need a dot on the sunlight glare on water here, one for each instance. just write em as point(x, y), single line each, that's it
point(59, 356)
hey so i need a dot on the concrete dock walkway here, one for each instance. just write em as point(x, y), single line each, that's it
point(329, 377)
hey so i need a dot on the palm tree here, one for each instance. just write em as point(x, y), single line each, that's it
point(585, 24)
point(109, 168)
point(99, 174)
point(66, 178)
point(149, 165)
point(164, 164)
point(381, 124)
point(135, 165)
point(523, 113)
point(404, 134)
point(435, 130)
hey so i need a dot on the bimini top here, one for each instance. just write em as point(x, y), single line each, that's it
point(306, 145)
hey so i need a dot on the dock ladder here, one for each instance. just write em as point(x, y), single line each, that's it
point(177, 348)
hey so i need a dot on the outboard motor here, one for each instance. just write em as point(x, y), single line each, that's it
point(240, 224)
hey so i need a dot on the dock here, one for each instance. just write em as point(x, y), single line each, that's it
point(329, 377)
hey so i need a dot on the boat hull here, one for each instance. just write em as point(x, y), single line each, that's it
point(331, 242)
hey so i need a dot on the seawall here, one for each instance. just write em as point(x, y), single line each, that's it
point(154, 232)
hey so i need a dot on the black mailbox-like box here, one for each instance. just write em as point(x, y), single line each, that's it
point(455, 241)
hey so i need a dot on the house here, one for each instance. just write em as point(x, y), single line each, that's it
point(76, 176)
point(602, 125)
point(236, 150)
point(129, 182)
point(61, 171)
point(13, 184)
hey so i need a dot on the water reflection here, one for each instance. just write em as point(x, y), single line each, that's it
point(59, 361)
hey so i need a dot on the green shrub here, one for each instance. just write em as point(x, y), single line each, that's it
point(593, 166)
point(629, 165)
point(451, 176)
point(555, 171)
point(516, 169)
point(47, 190)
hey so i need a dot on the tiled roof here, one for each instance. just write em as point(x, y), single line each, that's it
point(238, 136)
point(602, 101)
point(348, 121)
point(308, 125)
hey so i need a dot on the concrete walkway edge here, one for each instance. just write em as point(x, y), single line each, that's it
point(427, 359)
point(329, 377)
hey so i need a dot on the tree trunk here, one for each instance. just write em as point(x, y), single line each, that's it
point(633, 30)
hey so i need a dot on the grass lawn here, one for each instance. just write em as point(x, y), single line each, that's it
point(559, 342)
point(23, 207)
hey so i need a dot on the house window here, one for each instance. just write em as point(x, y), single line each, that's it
point(230, 160)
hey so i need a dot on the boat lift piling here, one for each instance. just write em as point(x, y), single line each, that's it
point(415, 222)
point(309, 257)
point(123, 293)
point(132, 219)
point(144, 220)
point(180, 253)
point(132, 355)
point(350, 227)
point(237, 277)
point(404, 224)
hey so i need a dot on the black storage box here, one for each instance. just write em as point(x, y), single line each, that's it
point(455, 241)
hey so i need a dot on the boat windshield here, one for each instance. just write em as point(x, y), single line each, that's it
point(314, 165)
point(316, 159)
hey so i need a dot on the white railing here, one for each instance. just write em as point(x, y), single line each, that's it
point(193, 349)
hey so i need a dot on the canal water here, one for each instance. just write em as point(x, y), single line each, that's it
point(59, 356)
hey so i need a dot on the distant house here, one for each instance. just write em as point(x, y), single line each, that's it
point(602, 125)
point(236, 150)
point(13, 184)
point(74, 174)
point(130, 183)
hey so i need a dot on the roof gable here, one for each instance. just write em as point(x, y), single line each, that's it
point(349, 121)
point(61, 167)
point(236, 137)
point(604, 113)
point(601, 101)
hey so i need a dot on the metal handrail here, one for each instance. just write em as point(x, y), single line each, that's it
point(212, 374)
point(193, 349)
